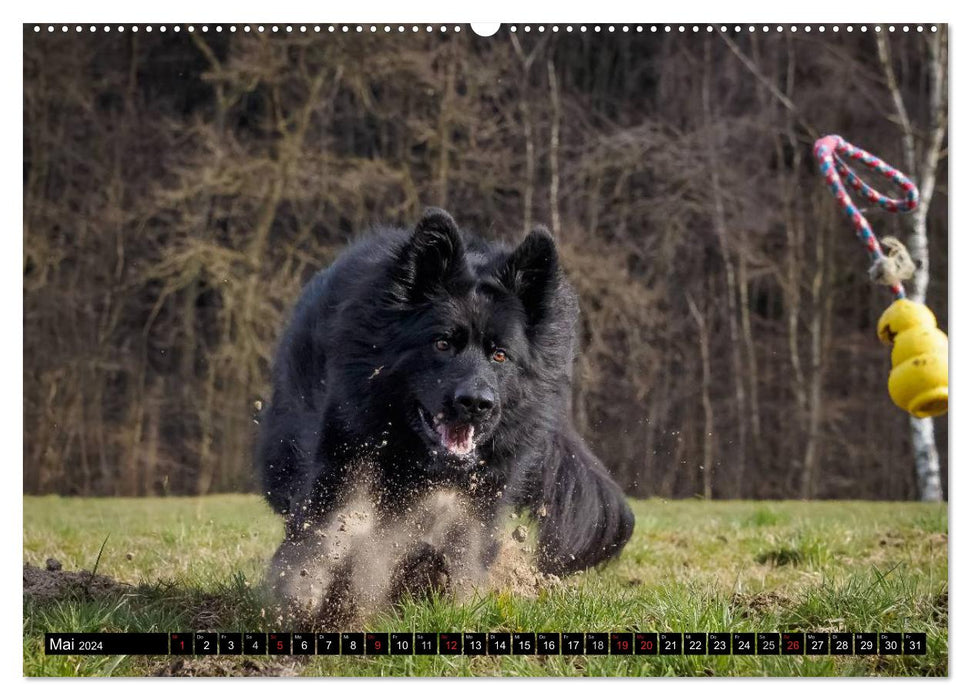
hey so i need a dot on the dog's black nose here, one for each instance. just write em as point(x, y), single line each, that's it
point(474, 403)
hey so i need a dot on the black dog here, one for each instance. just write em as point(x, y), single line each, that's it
point(436, 363)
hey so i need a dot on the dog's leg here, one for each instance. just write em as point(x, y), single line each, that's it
point(320, 558)
point(422, 570)
point(284, 453)
point(301, 573)
point(439, 545)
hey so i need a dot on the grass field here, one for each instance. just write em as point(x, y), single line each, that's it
point(197, 564)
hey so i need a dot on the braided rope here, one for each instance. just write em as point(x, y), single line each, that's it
point(828, 151)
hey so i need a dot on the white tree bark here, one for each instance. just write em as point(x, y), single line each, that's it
point(926, 459)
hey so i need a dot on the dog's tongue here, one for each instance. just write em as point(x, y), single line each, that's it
point(457, 439)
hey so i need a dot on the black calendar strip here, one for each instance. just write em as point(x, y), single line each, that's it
point(104, 643)
point(487, 643)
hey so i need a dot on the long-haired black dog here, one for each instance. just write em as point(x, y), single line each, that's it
point(434, 361)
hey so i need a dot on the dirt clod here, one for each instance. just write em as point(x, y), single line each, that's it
point(52, 564)
point(48, 584)
point(515, 571)
point(758, 603)
point(519, 534)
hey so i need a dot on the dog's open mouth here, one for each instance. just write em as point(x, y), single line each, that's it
point(456, 438)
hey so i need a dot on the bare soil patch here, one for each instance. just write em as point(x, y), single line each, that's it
point(53, 583)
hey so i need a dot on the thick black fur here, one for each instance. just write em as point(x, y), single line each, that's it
point(399, 329)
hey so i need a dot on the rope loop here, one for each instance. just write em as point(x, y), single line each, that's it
point(828, 151)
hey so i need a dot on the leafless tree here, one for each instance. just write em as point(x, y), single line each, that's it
point(923, 160)
point(727, 319)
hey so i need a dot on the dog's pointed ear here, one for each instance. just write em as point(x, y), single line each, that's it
point(433, 253)
point(531, 273)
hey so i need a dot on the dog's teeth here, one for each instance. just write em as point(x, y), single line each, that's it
point(458, 439)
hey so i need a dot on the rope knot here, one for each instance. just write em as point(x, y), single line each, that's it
point(894, 266)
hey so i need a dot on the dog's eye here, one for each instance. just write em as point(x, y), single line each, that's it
point(442, 344)
point(498, 355)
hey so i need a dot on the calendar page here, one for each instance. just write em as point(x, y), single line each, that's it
point(517, 349)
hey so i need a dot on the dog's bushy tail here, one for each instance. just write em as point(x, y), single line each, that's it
point(584, 517)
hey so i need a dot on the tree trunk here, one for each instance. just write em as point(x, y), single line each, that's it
point(707, 464)
point(819, 306)
point(445, 128)
point(527, 61)
point(554, 150)
point(927, 463)
point(731, 287)
point(795, 236)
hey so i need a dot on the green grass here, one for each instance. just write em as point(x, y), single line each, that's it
point(691, 566)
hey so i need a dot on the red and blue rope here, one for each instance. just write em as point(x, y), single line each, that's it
point(828, 151)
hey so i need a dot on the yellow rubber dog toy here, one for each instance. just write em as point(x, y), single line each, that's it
point(918, 378)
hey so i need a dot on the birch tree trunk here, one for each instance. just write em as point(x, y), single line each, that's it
point(927, 462)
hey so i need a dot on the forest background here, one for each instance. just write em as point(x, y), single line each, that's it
point(179, 189)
